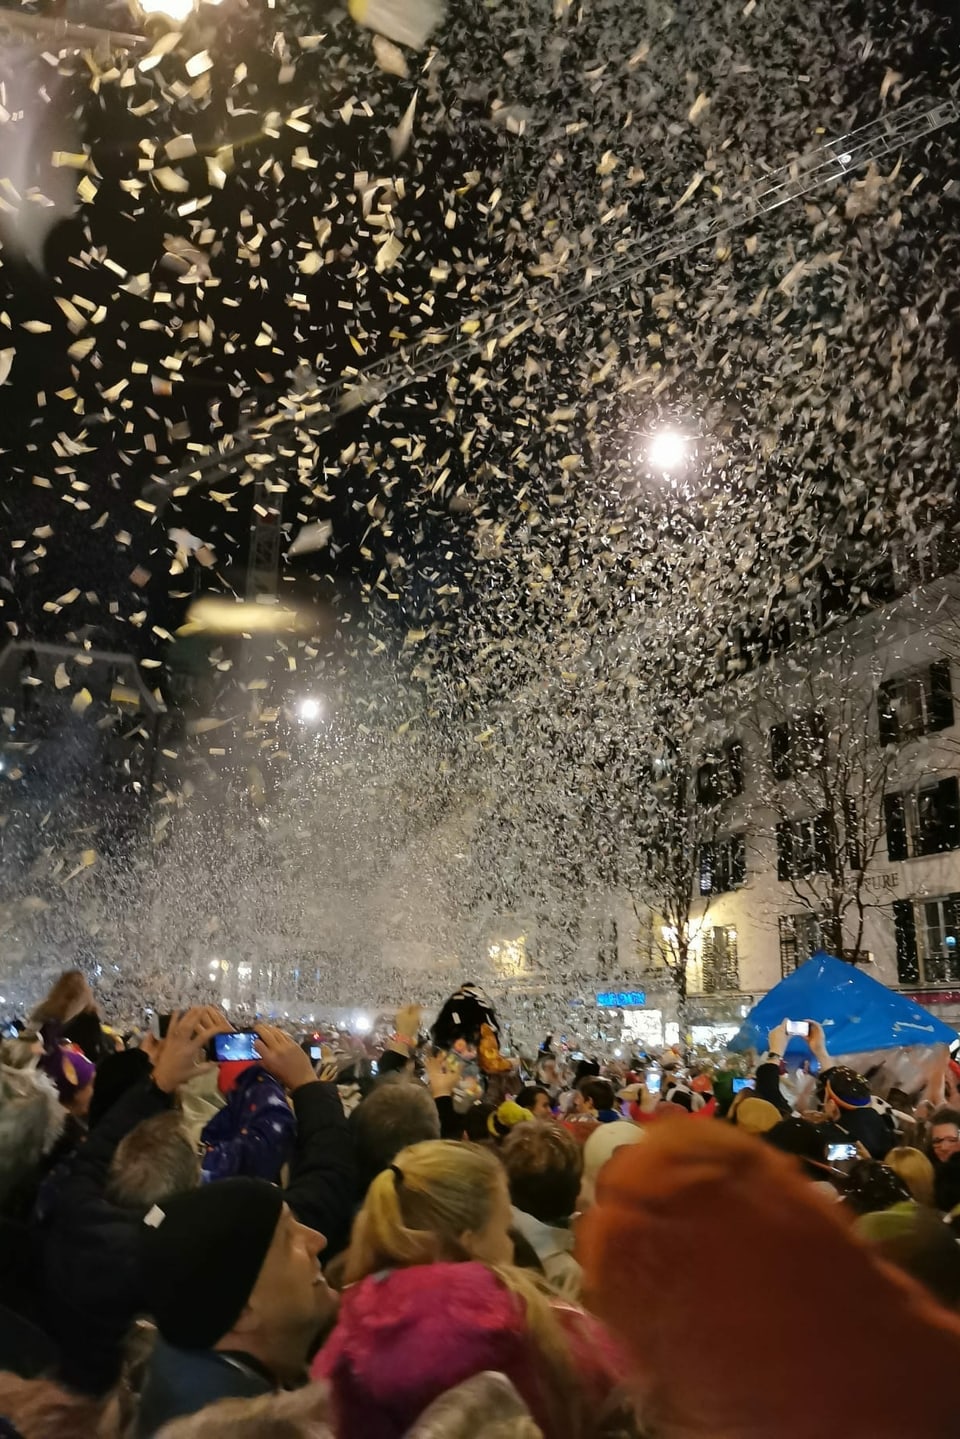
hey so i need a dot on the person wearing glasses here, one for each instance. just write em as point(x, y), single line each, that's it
point(945, 1153)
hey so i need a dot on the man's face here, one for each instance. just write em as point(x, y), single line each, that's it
point(291, 1292)
point(944, 1141)
point(541, 1107)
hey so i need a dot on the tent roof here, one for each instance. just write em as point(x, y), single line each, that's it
point(858, 1013)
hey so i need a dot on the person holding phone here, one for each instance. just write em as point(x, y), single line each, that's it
point(255, 1132)
point(768, 1071)
point(322, 1190)
point(850, 1116)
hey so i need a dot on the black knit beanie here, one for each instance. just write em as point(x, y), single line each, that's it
point(202, 1253)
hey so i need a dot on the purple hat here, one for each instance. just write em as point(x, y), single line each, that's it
point(70, 1070)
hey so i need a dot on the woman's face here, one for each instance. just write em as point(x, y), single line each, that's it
point(492, 1244)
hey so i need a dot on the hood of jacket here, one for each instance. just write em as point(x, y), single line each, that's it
point(407, 1336)
point(31, 1121)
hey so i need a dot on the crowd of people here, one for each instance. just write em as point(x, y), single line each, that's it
point(446, 1241)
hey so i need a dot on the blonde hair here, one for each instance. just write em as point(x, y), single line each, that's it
point(418, 1208)
point(442, 1190)
point(916, 1171)
point(63, 1002)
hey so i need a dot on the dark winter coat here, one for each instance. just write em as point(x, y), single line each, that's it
point(946, 1183)
point(253, 1134)
point(768, 1087)
point(323, 1189)
point(182, 1381)
point(90, 1253)
point(862, 1126)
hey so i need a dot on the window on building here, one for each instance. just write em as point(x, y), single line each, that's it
point(718, 960)
point(801, 936)
point(923, 821)
point(721, 776)
point(914, 704)
point(797, 744)
point(723, 864)
point(804, 847)
point(928, 939)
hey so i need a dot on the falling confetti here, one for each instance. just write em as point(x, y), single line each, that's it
point(415, 655)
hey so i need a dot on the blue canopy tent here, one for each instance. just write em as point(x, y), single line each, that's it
point(859, 1014)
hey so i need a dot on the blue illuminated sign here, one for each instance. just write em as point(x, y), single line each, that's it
point(621, 999)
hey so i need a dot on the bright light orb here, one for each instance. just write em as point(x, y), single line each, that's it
point(309, 710)
point(668, 451)
point(362, 1024)
point(176, 10)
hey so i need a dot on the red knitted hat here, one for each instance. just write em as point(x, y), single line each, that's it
point(704, 1229)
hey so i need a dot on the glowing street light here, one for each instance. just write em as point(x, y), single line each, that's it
point(668, 451)
point(176, 10)
point(161, 13)
point(310, 710)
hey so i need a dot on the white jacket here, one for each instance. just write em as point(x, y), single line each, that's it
point(553, 1246)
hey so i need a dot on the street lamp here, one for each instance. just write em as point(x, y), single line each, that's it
point(175, 10)
point(309, 710)
point(668, 451)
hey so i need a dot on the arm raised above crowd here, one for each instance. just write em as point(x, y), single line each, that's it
point(322, 1191)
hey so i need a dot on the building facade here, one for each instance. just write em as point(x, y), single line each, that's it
point(826, 798)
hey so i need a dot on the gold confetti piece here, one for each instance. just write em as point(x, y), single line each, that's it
point(162, 46)
point(81, 348)
point(82, 700)
point(310, 263)
point(6, 364)
point(61, 679)
point(388, 254)
point(400, 137)
point(180, 147)
point(390, 57)
point(36, 327)
point(312, 537)
point(75, 321)
point(204, 726)
point(169, 179)
point(69, 597)
point(690, 191)
point(63, 159)
point(699, 107)
point(198, 64)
